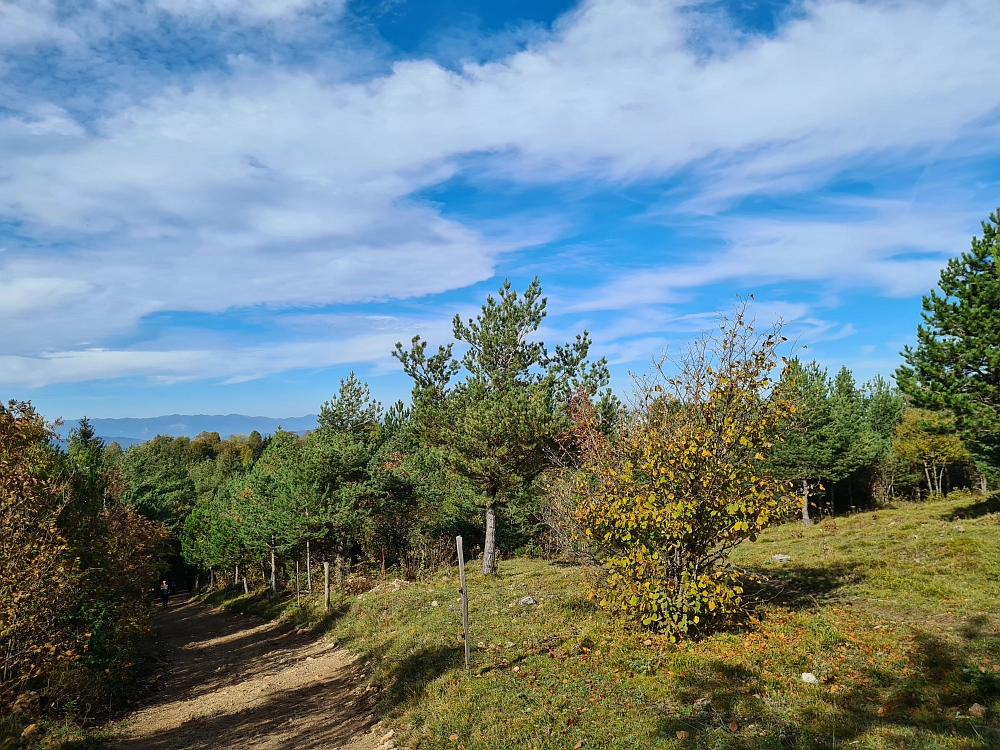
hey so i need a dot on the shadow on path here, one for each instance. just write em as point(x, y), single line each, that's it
point(240, 682)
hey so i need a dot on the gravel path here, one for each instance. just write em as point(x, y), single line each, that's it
point(239, 682)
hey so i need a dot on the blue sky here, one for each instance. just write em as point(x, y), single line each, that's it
point(216, 206)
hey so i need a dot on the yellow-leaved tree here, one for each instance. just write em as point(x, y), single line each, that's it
point(684, 480)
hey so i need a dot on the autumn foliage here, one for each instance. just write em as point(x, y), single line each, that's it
point(36, 578)
point(685, 481)
point(75, 569)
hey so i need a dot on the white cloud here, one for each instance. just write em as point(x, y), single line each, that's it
point(278, 188)
point(255, 9)
point(898, 249)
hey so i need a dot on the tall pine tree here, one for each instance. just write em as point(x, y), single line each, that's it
point(498, 426)
point(956, 362)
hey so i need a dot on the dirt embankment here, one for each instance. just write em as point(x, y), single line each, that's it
point(238, 682)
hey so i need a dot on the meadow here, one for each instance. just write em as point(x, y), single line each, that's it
point(893, 611)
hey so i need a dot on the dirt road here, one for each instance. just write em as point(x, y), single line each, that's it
point(238, 683)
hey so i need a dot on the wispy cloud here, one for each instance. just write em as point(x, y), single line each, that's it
point(263, 183)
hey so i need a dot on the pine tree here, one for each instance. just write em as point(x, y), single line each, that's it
point(806, 454)
point(956, 362)
point(497, 428)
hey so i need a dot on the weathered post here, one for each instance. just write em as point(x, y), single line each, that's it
point(298, 603)
point(326, 587)
point(385, 590)
point(465, 603)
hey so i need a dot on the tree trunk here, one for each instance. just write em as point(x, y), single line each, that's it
point(246, 589)
point(983, 486)
point(930, 484)
point(490, 545)
point(274, 571)
point(805, 503)
point(309, 580)
point(236, 576)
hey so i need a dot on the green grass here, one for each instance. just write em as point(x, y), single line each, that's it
point(893, 610)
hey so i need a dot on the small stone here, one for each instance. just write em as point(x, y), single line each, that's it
point(435, 603)
point(734, 727)
point(387, 736)
point(30, 732)
point(809, 678)
point(682, 735)
point(977, 710)
point(309, 658)
point(481, 644)
point(516, 669)
point(528, 601)
point(703, 703)
point(453, 737)
point(647, 642)
point(960, 528)
point(781, 558)
point(509, 644)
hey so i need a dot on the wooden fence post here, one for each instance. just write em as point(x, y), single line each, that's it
point(465, 603)
point(326, 587)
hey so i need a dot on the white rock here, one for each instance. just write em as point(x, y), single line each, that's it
point(809, 678)
point(435, 603)
point(528, 601)
point(781, 558)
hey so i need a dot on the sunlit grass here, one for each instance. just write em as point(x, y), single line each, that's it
point(893, 612)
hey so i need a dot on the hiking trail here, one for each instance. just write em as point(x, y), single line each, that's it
point(240, 682)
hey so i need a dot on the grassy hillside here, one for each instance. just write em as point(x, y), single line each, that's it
point(894, 612)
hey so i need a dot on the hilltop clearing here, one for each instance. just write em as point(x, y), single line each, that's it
point(893, 612)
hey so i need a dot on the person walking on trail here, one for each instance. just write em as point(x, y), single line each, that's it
point(164, 592)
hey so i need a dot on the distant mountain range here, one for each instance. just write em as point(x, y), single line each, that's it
point(132, 430)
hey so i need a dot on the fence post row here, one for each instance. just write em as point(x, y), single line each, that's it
point(465, 603)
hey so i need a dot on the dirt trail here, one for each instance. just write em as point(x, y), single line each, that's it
point(239, 682)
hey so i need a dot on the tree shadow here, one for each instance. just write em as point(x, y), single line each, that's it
point(408, 679)
point(798, 586)
point(208, 648)
point(967, 512)
point(729, 705)
point(324, 714)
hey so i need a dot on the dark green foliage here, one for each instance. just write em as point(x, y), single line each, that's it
point(956, 362)
point(837, 447)
point(498, 428)
point(159, 482)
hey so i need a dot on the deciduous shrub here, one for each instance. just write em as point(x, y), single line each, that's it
point(685, 480)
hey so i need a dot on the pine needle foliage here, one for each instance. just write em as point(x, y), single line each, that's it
point(956, 362)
